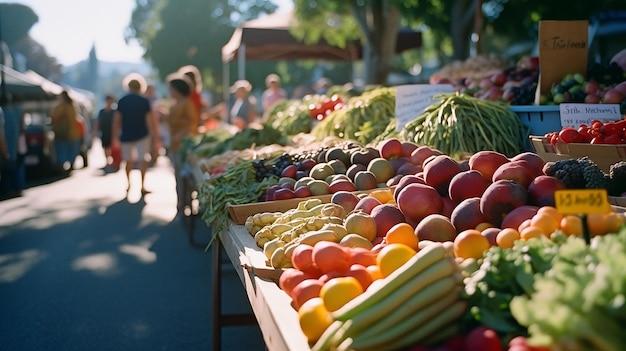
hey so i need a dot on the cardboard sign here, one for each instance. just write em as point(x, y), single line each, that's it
point(563, 47)
point(582, 201)
point(573, 115)
point(411, 100)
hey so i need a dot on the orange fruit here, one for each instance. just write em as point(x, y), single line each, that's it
point(597, 224)
point(546, 222)
point(531, 232)
point(523, 225)
point(571, 225)
point(470, 243)
point(385, 196)
point(314, 318)
point(506, 237)
point(402, 233)
point(338, 291)
point(551, 211)
point(374, 272)
point(614, 222)
point(392, 257)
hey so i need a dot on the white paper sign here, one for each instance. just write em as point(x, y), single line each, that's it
point(573, 115)
point(411, 100)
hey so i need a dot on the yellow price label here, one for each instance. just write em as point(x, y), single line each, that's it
point(583, 201)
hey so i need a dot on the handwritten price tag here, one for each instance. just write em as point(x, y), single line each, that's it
point(584, 201)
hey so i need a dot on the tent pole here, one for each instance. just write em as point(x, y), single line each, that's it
point(241, 62)
point(226, 86)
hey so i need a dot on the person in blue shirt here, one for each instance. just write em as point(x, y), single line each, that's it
point(134, 125)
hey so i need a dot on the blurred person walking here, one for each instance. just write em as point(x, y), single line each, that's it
point(133, 126)
point(183, 121)
point(195, 78)
point(65, 126)
point(103, 128)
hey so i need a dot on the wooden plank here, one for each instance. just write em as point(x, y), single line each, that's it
point(277, 320)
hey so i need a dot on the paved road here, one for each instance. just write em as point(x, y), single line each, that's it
point(83, 266)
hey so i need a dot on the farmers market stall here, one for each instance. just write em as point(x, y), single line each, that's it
point(422, 216)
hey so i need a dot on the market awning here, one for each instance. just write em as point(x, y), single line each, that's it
point(21, 87)
point(268, 38)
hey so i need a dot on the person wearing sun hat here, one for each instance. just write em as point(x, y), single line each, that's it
point(274, 93)
point(133, 126)
point(244, 110)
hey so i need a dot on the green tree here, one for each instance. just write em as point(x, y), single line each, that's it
point(177, 33)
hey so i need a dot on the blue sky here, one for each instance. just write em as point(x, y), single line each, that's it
point(69, 28)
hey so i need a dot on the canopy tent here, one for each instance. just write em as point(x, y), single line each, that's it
point(268, 38)
point(21, 87)
point(82, 99)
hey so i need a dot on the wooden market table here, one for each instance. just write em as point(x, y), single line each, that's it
point(271, 306)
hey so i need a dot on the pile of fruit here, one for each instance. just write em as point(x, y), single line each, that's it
point(437, 260)
point(596, 133)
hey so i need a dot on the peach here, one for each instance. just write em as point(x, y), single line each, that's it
point(345, 199)
point(486, 162)
point(365, 180)
point(408, 147)
point(305, 290)
point(533, 159)
point(514, 171)
point(363, 256)
point(302, 259)
point(467, 184)
point(448, 206)
point(406, 180)
point(541, 190)
point(500, 198)
point(467, 215)
point(330, 256)
point(436, 227)
point(390, 148)
point(419, 155)
point(354, 169)
point(367, 204)
point(408, 168)
point(491, 234)
point(439, 172)
point(386, 216)
point(518, 215)
point(290, 277)
point(360, 273)
point(341, 185)
point(417, 201)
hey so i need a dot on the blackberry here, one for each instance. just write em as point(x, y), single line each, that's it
point(594, 177)
point(617, 175)
point(570, 172)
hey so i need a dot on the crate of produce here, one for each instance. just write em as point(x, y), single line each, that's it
point(540, 119)
point(239, 213)
point(546, 150)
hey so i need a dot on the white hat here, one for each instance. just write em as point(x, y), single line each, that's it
point(241, 84)
point(135, 77)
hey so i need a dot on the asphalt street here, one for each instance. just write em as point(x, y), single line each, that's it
point(84, 266)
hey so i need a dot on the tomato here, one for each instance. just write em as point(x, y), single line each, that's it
point(610, 128)
point(597, 140)
point(595, 124)
point(554, 138)
point(612, 139)
point(569, 135)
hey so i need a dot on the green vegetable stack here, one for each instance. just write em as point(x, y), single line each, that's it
point(362, 119)
point(460, 124)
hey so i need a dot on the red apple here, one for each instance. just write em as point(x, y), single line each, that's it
point(303, 191)
point(419, 155)
point(535, 161)
point(408, 148)
point(406, 180)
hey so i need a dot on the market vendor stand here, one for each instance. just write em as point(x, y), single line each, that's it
point(276, 318)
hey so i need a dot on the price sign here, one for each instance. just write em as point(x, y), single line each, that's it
point(584, 201)
point(573, 115)
point(411, 100)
